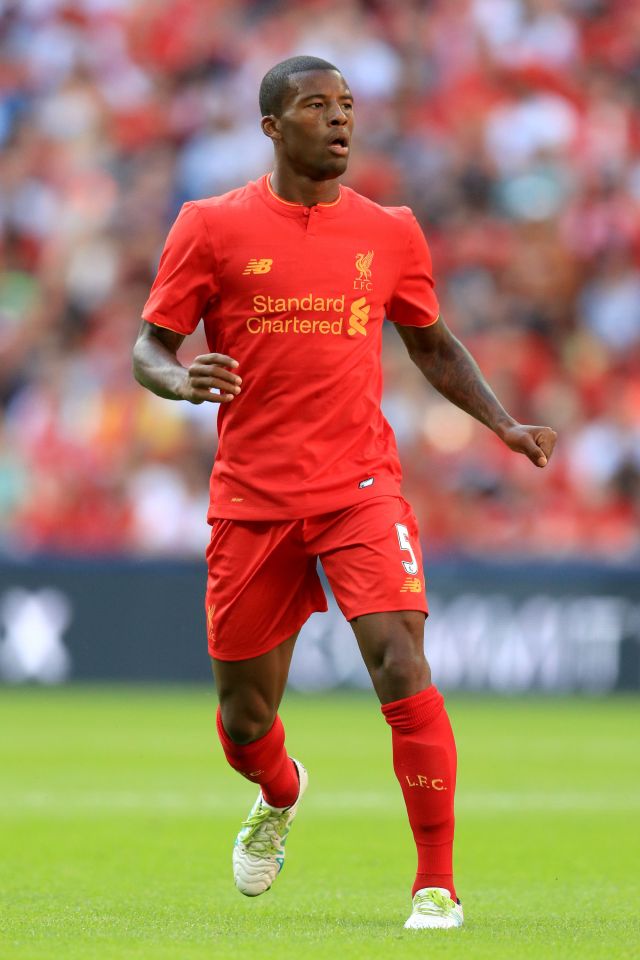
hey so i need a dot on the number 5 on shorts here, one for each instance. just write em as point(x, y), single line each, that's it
point(403, 539)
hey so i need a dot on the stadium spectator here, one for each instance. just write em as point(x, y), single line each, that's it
point(511, 128)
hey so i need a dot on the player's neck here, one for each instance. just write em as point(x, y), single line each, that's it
point(296, 188)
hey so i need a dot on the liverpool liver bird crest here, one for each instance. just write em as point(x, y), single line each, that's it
point(363, 264)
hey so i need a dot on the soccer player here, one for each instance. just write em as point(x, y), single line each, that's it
point(293, 275)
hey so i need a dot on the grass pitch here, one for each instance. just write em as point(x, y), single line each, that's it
point(117, 816)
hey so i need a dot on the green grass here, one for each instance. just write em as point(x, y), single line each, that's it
point(117, 815)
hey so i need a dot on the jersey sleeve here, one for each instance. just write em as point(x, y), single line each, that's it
point(186, 280)
point(413, 302)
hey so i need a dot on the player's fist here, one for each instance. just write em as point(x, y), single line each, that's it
point(211, 378)
point(537, 443)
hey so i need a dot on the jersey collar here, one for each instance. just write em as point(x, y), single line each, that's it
point(287, 208)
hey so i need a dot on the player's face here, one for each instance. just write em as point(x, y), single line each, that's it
point(315, 126)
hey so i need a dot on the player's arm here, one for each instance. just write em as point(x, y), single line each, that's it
point(449, 367)
point(156, 367)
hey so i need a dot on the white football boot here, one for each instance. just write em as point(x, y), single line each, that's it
point(433, 909)
point(258, 853)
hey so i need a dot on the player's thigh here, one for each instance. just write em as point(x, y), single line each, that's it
point(373, 561)
point(261, 587)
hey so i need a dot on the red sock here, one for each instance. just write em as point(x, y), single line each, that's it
point(424, 760)
point(265, 761)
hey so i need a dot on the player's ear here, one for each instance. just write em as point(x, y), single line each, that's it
point(271, 127)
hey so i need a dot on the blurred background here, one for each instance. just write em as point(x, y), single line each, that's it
point(512, 129)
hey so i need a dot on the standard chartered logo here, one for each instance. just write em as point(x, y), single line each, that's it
point(359, 317)
point(280, 315)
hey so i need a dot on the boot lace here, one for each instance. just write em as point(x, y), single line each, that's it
point(433, 904)
point(264, 830)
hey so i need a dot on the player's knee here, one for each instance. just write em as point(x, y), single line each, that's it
point(404, 669)
point(244, 725)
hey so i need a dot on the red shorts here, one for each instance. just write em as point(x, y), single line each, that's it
point(263, 583)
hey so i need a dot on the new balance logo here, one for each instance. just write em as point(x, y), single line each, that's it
point(359, 317)
point(258, 266)
point(411, 585)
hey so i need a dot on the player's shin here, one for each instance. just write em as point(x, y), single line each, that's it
point(424, 760)
point(264, 761)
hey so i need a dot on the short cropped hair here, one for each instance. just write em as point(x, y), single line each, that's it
point(275, 83)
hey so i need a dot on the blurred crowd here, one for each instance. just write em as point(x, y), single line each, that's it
point(510, 126)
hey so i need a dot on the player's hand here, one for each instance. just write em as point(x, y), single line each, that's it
point(537, 443)
point(211, 378)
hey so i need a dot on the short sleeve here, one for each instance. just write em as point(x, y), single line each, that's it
point(413, 302)
point(186, 280)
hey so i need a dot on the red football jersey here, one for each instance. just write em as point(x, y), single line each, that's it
point(297, 295)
